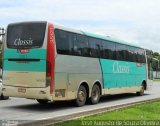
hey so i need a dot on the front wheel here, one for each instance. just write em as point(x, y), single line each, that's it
point(95, 95)
point(42, 101)
point(81, 96)
point(141, 92)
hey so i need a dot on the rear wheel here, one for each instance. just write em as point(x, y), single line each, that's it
point(141, 92)
point(81, 96)
point(95, 94)
point(42, 101)
point(4, 97)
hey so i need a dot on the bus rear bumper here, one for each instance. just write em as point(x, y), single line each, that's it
point(31, 93)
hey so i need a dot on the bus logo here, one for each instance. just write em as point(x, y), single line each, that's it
point(117, 68)
point(20, 42)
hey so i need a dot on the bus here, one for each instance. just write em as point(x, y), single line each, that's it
point(48, 62)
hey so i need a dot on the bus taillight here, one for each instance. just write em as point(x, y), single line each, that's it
point(48, 69)
point(48, 73)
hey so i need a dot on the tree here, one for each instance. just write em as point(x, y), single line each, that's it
point(0, 53)
point(156, 55)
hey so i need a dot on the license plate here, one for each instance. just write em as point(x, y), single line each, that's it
point(22, 90)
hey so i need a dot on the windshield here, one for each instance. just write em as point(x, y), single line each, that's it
point(26, 35)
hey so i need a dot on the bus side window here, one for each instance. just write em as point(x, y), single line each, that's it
point(131, 54)
point(72, 38)
point(137, 56)
point(120, 52)
point(108, 50)
point(140, 55)
point(126, 52)
point(63, 43)
point(95, 45)
point(81, 46)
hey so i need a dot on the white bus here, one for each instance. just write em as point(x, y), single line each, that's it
point(48, 62)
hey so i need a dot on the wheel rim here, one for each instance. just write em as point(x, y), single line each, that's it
point(142, 89)
point(95, 94)
point(81, 96)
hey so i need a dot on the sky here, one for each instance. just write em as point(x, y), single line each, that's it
point(134, 21)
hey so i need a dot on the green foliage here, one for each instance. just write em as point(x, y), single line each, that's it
point(146, 111)
point(149, 111)
point(156, 55)
point(0, 54)
point(156, 79)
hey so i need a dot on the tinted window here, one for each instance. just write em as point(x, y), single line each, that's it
point(76, 44)
point(131, 54)
point(64, 42)
point(140, 55)
point(71, 43)
point(81, 46)
point(121, 52)
point(95, 45)
point(26, 35)
point(143, 56)
point(108, 50)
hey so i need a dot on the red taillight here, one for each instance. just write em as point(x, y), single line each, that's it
point(50, 65)
point(48, 69)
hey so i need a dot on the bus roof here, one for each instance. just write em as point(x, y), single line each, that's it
point(87, 34)
point(96, 36)
point(109, 39)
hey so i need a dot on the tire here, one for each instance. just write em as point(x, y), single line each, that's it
point(4, 97)
point(40, 101)
point(141, 92)
point(81, 96)
point(95, 94)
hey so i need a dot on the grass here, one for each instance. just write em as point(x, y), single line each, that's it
point(157, 80)
point(147, 111)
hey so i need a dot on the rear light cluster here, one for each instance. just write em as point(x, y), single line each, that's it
point(50, 63)
point(48, 73)
point(48, 69)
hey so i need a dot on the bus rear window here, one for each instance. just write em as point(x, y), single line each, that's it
point(26, 35)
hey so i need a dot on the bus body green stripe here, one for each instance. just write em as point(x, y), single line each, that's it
point(33, 53)
point(38, 66)
point(34, 66)
point(118, 74)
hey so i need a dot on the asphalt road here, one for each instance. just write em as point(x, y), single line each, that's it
point(25, 109)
